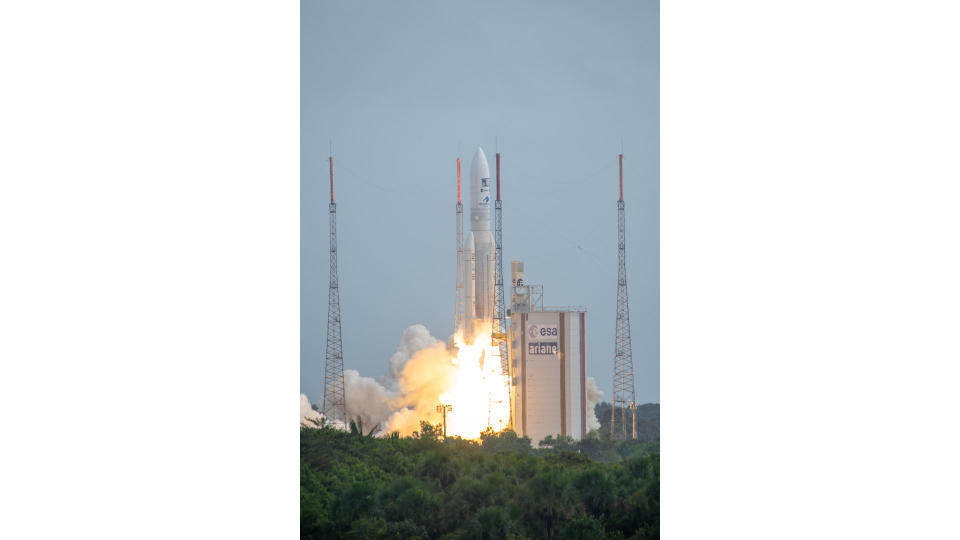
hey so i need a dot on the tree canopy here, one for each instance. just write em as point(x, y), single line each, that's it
point(353, 485)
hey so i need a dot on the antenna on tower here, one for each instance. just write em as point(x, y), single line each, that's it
point(624, 398)
point(334, 398)
point(459, 303)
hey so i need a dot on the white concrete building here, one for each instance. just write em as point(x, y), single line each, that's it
point(548, 374)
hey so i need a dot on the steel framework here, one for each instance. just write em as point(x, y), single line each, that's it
point(624, 399)
point(536, 297)
point(458, 304)
point(500, 322)
point(334, 398)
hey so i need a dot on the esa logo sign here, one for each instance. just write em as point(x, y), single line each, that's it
point(544, 331)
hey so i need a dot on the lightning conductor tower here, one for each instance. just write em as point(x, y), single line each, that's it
point(459, 304)
point(624, 399)
point(334, 399)
point(500, 324)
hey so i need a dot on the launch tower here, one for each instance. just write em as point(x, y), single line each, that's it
point(458, 307)
point(334, 400)
point(624, 398)
point(500, 321)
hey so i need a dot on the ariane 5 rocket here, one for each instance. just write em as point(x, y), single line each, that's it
point(479, 252)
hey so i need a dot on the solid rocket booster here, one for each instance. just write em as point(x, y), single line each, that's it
point(479, 253)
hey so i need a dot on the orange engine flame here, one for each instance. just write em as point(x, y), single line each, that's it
point(471, 383)
point(477, 389)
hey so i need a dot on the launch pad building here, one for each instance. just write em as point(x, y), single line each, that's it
point(548, 368)
point(548, 374)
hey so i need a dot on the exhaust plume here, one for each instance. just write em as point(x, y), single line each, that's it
point(594, 395)
point(307, 414)
point(367, 399)
point(420, 382)
point(413, 339)
point(424, 372)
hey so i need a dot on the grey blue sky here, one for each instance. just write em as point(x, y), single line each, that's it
point(401, 87)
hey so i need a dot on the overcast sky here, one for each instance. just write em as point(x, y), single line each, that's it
point(401, 88)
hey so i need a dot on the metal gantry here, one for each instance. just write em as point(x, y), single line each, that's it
point(623, 386)
point(458, 304)
point(334, 398)
point(500, 321)
point(536, 297)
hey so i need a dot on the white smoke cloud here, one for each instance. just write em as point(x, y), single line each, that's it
point(414, 338)
point(367, 399)
point(399, 401)
point(404, 397)
point(425, 375)
point(307, 414)
point(420, 370)
point(594, 395)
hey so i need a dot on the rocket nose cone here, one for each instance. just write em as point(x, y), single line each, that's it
point(479, 168)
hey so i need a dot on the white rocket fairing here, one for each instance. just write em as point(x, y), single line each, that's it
point(479, 251)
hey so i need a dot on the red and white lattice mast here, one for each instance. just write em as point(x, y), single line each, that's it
point(458, 307)
point(500, 320)
point(334, 399)
point(624, 399)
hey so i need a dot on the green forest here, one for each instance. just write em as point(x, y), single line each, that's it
point(356, 485)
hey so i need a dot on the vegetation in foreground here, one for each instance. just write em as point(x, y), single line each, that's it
point(354, 485)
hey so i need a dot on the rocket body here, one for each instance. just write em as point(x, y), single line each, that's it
point(479, 251)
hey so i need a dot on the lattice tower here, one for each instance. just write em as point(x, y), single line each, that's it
point(334, 398)
point(500, 323)
point(623, 386)
point(458, 304)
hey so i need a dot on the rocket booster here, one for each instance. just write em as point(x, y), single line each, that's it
point(479, 253)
